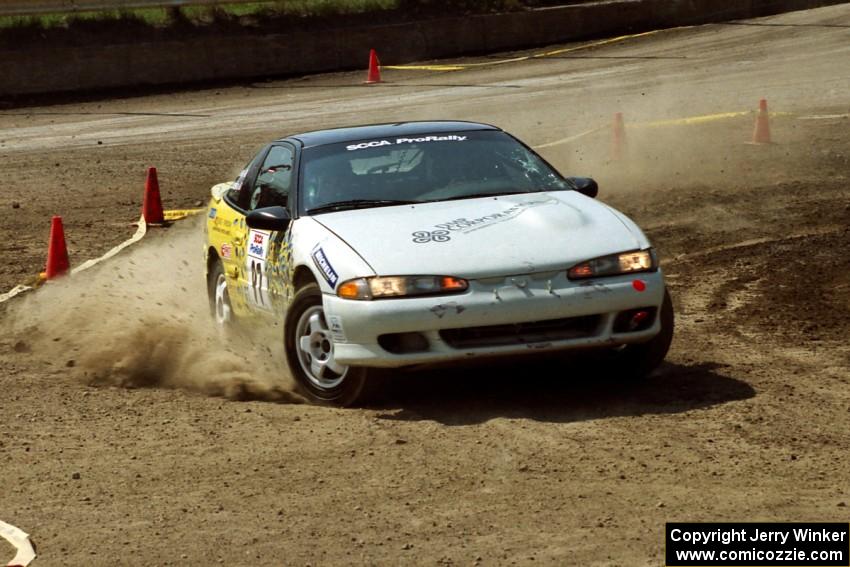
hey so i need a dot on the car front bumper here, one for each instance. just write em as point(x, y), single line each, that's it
point(497, 316)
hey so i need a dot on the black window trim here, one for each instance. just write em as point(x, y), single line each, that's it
point(251, 173)
point(254, 171)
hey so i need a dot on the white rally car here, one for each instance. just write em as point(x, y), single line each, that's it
point(405, 244)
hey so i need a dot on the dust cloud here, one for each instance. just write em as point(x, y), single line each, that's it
point(142, 320)
point(651, 156)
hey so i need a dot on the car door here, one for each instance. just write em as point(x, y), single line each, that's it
point(268, 185)
point(227, 231)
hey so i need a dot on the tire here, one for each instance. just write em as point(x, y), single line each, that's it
point(636, 361)
point(219, 298)
point(309, 352)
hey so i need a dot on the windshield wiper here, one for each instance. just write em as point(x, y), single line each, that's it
point(479, 195)
point(358, 204)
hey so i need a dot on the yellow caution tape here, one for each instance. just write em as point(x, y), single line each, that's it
point(596, 44)
point(20, 540)
point(140, 232)
point(425, 67)
point(569, 139)
point(464, 66)
point(172, 215)
point(497, 62)
point(702, 119)
point(179, 214)
point(15, 291)
point(688, 121)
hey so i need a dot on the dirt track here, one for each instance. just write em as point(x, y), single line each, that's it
point(529, 464)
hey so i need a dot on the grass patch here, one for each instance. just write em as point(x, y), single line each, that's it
point(300, 8)
point(149, 16)
point(161, 17)
point(251, 13)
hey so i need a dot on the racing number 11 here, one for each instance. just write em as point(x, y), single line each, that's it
point(257, 281)
point(258, 247)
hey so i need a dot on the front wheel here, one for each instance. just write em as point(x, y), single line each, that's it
point(310, 354)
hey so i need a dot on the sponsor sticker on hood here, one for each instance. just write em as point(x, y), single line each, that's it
point(465, 225)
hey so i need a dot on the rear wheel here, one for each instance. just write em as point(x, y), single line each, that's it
point(639, 360)
point(310, 354)
point(219, 297)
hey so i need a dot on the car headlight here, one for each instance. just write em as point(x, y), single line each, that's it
point(615, 264)
point(381, 287)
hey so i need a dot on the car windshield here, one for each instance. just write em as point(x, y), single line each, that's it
point(421, 168)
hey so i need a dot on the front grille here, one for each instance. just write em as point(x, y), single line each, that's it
point(403, 343)
point(522, 333)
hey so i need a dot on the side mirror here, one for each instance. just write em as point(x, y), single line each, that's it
point(275, 219)
point(585, 186)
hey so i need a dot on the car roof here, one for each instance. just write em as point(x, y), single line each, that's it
point(372, 131)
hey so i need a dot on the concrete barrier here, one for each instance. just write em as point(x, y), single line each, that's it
point(33, 67)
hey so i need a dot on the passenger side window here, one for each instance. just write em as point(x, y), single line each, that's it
point(274, 181)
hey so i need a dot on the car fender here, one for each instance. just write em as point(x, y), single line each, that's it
point(217, 191)
point(330, 259)
point(643, 241)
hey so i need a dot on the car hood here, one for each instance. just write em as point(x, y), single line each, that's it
point(483, 237)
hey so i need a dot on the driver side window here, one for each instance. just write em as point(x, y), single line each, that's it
point(274, 181)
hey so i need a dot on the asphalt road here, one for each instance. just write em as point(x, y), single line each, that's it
point(205, 460)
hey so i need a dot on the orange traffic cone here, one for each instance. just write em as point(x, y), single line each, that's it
point(57, 252)
point(152, 203)
point(374, 75)
point(761, 133)
point(618, 140)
